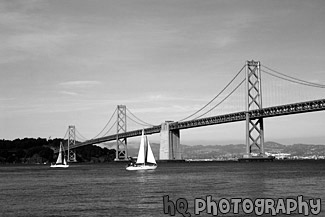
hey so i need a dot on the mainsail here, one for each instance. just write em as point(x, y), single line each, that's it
point(60, 157)
point(141, 154)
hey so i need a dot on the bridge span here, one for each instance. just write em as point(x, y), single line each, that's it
point(281, 110)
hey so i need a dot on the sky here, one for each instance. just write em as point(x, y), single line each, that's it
point(72, 62)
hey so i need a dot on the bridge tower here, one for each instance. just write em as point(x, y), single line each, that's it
point(71, 141)
point(121, 143)
point(254, 127)
point(169, 143)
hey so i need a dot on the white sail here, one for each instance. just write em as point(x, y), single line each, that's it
point(59, 160)
point(141, 155)
point(150, 156)
point(145, 155)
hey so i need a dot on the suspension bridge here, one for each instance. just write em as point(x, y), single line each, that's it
point(247, 83)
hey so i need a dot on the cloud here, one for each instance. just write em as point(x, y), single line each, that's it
point(69, 93)
point(38, 43)
point(161, 97)
point(164, 97)
point(45, 108)
point(76, 88)
point(6, 99)
point(79, 83)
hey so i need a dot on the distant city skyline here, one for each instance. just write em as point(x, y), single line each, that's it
point(72, 62)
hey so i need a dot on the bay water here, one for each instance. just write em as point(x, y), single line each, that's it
point(109, 190)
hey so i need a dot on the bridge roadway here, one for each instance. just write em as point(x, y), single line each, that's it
point(281, 110)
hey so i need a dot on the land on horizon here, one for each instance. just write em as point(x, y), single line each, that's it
point(41, 150)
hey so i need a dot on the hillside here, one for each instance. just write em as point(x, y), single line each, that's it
point(237, 150)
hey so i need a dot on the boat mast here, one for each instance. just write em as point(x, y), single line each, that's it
point(146, 150)
point(62, 154)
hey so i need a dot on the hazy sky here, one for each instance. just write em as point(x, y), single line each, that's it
point(72, 62)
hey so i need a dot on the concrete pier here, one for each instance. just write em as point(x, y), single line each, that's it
point(169, 143)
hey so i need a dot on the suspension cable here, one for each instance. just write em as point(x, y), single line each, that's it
point(79, 139)
point(223, 99)
point(105, 125)
point(139, 118)
point(215, 96)
point(296, 82)
point(292, 79)
point(82, 137)
point(110, 128)
point(66, 132)
point(136, 121)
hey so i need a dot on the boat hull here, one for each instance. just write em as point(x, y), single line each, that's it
point(59, 166)
point(142, 167)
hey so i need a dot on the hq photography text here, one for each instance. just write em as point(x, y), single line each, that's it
point(258, 206)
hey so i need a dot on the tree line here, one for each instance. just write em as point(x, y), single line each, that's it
point(40, 150)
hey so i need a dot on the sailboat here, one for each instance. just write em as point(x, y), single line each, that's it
point(146, 159)
point(61, 162)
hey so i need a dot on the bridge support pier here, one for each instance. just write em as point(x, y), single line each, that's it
point(71, 141)
point(169, 143)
